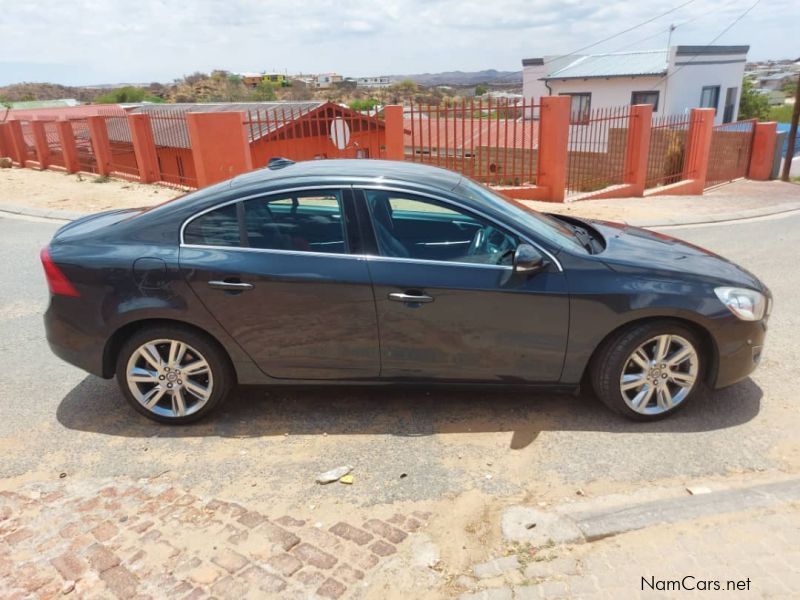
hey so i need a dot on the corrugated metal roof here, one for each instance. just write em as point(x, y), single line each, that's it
point(620, 64)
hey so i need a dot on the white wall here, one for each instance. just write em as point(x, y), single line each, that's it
point(686, 81)
point(614, 91)
point(532, 87)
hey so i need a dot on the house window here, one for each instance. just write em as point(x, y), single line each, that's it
point(645, 98)
point(580, 107)
point(709, 97)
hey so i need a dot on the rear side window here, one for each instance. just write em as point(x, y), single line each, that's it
point(302, 221)
point(219, 227)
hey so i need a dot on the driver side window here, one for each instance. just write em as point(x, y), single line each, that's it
point(408, 226)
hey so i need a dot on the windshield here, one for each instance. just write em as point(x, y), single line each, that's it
point(545, 227)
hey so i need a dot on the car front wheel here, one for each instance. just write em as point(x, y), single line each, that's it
point(173, 375)
point(648, 371)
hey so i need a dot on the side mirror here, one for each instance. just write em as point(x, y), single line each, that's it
point(528, 260)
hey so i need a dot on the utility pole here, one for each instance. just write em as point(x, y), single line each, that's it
point(672, 27)
point(787, 163)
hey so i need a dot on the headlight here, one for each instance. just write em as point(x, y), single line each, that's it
point(748, 305)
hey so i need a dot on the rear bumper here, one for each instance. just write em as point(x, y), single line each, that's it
point(739, 348)
point(71, 343)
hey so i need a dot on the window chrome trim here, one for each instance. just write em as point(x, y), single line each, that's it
point(362, 186)
point(197, 215)
point(432, 196)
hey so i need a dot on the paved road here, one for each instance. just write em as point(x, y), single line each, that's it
point(268, 445)
point(93, 493)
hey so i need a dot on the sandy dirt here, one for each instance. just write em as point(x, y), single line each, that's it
point(53, 190)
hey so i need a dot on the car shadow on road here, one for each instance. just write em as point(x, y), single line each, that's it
point(97, 405)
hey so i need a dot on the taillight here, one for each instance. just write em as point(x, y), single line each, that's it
point(56, 280)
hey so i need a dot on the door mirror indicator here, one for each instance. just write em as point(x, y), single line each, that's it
point(528, 260)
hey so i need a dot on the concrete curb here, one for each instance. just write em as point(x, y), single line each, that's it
point(595, 525)
point(523, 524)
point(42, 213)
point(743, 215)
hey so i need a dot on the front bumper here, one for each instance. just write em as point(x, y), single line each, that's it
point(740, 345)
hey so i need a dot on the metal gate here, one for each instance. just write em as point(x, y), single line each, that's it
point(729, 157)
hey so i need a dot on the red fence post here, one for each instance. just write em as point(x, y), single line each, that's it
point(637, 148)
point(762, 152)
point(100, 144)
point(220, 145)
point(553, 139)
point(6, 148)
point(698, 148)
point(18, 142)
point(68, 148)
point(393, 130)
point(40, 143)
point(144, 147)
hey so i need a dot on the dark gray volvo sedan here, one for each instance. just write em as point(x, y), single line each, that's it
point(368, 271)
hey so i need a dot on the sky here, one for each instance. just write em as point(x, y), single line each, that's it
point(84, 42)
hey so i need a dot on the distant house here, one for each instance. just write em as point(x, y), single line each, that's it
point(251, 79)
point(373, 82)
point(777, 80)
point(326, 80)
point(673, 80)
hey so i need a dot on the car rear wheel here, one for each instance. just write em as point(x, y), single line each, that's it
point(173, 375)
point(648, 371)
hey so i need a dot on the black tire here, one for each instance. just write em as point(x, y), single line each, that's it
point(219, 364)
point(612, 356)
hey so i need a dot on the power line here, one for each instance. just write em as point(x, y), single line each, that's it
point(629, 29)
point(666, 30)
point(719, 35)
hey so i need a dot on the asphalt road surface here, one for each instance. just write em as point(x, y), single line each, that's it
point(267, 445)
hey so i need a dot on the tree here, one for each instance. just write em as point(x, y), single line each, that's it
point(264, 92)
point(753, 104)
point(481, 89)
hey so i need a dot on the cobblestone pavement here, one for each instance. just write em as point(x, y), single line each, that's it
point(758, 551)
point(145, 541)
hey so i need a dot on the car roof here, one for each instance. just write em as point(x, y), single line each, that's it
point(338, 170)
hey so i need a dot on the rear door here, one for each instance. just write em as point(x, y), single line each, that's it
point(278, 273)
point(449, 305)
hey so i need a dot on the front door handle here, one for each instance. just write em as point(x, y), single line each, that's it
point(230, 286)
point(410, 298)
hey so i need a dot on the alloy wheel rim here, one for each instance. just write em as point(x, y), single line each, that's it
point(659, 374)
point(169, 378)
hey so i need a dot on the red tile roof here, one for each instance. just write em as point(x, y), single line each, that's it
point(470, 133)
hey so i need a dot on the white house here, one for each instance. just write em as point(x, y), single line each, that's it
point(373, 82)
point(673, 80)
point(326, 80)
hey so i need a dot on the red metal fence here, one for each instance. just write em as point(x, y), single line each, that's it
point(491, 141)
point(55, 156)
point(173, 146)
point(87, 162)
point(667, 153)
point(596, 149)
point(123, 158)
point(729, 157)
point(308, 131)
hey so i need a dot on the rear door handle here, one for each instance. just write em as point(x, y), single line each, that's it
point(410, 298)
point(231, 286)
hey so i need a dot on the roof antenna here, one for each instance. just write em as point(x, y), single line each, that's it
point(278, 162)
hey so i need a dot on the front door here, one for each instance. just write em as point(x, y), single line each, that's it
point(278, 275)
point(449, 304)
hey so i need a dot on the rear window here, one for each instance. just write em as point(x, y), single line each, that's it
point(302, 221)
point(220, 227)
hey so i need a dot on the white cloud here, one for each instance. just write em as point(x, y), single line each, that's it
point(162, 39)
